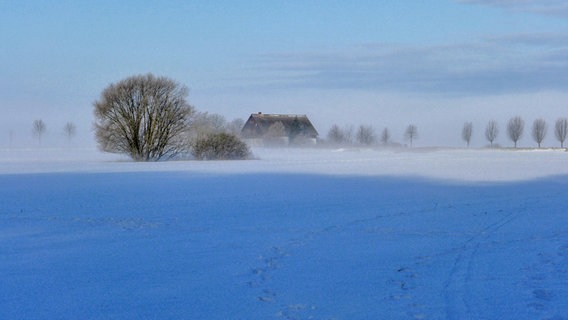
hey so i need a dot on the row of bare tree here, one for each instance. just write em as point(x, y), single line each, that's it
point(39, 129)
point(515, 130)
point(203, 123)
point(366, 135)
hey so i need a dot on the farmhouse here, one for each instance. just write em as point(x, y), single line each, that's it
point(279, 129)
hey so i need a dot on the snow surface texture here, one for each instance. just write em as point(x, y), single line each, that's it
point(297, 234)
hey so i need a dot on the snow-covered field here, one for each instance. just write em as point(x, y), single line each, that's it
point(294, 234)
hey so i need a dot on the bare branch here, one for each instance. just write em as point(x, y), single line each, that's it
point(561, 130)
point(38, 129)
point(69, 130)
point(143, 116)
point(467, 132)
point(411, 133)
point(539, 130)
point(515, 129)
point(366, 135)
point(491, 131)
point(385, 136)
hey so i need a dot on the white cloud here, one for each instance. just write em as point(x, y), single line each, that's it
point(497, 64)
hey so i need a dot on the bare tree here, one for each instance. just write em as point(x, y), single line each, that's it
point(561, 130)
point(491, 131)
point(385, 136)
point(467, 132)
point(38, 129)
point(234, 127)
point(348, 134)
point(366, 135)
point(205, 123)
point(339, 135)
point(336, 135)
point(539, 130)
point(515, 129)
point(411, 133)
point(143, 116)
point(69, 130)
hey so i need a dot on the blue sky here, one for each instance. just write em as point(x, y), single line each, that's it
point(435, 63)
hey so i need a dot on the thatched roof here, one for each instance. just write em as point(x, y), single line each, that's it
point(294, 125)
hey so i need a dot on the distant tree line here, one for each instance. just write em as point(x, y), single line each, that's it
point(149, 119)
point(515, 128)
point(204, 126)
point(39, 129)
point(367, 136)
point(210, 136)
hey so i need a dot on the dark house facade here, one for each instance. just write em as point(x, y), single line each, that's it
point(262, 129)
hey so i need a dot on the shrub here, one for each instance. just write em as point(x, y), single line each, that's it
point(220, 146)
